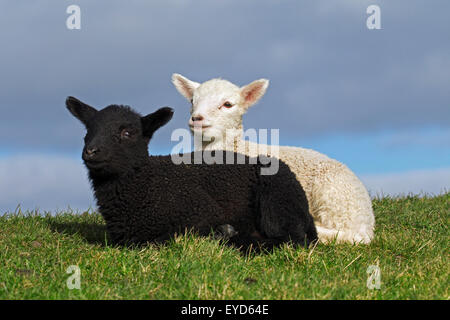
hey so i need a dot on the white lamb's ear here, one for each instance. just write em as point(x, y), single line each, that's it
point(254, 91)
point(184, 86)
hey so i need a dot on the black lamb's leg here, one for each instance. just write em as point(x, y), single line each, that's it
point(225, 231)
point(283, 209)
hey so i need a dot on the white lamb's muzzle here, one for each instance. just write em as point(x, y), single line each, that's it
point(208, 133)
point(197, 125)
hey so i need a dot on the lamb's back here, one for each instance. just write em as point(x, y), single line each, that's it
point(164, 197)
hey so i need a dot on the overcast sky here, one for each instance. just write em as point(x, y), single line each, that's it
point(377, 100)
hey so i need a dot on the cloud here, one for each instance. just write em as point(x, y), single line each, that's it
point(44, 182)
point(432, 182)
point(422, 139)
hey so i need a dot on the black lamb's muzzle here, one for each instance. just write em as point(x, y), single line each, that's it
point(95, 165)
point(94, 158)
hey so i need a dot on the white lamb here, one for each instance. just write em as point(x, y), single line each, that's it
point(338, 201)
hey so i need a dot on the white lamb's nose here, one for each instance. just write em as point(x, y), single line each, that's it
point(197, 118)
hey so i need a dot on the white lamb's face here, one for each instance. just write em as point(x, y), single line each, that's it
point(218, 105)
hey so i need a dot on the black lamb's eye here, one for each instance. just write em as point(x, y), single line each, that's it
point(227, 104)
point(125, 134)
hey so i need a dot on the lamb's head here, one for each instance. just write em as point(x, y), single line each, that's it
point(218, 105)
point(117, 137)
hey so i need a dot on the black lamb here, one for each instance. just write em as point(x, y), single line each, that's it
point(149, 198)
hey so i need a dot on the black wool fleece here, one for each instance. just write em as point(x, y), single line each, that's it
point(149, 198)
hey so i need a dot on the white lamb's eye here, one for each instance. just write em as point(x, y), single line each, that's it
point(227, 104)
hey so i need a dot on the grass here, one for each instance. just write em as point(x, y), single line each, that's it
point(410, 248)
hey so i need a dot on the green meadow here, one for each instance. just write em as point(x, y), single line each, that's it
point(408, 259)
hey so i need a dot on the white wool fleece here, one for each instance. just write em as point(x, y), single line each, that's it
point(338, 201)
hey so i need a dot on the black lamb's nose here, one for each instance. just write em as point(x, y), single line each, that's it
point(91, 152)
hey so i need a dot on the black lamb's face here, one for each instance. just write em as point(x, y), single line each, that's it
point(117, 137)
point(114, 141)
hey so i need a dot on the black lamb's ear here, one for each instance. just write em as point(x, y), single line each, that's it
point(80, 110)
point(155, 120)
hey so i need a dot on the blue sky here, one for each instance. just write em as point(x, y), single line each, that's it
point(377, 100)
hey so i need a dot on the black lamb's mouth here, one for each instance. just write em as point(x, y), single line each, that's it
point(95, 164)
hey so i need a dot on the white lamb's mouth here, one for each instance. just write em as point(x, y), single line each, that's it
point(193, 127)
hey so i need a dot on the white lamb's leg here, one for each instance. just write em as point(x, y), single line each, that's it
point(341, 206)
point(330, 236)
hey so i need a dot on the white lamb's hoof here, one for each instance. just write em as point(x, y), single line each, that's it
point(335, 236)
